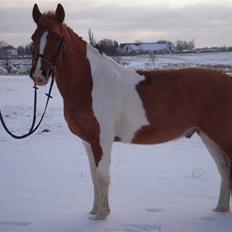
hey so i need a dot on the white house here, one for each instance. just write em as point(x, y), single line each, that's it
point(138, 48)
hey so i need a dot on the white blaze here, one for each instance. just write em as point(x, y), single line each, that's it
point(42, 45)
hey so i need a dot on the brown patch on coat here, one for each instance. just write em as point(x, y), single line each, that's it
point(75, 83)
point(73, 78)
point(178, 100)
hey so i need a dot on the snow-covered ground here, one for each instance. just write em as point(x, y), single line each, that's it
point(45, 183)
point(15, 66)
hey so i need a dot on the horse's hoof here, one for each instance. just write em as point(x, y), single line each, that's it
point(92, 217)
point(93, 212)
point(221, 210)
point(99, 215)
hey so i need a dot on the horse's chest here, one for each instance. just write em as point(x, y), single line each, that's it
point(83, 124)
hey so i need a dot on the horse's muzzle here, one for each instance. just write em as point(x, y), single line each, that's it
point(39, 79)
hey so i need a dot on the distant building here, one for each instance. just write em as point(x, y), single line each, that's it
point(8, 51)
point(141, 48)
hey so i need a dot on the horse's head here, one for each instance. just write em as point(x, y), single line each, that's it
point(48, 43)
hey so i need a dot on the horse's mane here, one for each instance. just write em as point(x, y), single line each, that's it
point(48, 20)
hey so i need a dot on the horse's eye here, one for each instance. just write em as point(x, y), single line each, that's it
point(57, 39)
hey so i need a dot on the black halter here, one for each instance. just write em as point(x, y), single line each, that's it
point(52, 70)
point(51, 64)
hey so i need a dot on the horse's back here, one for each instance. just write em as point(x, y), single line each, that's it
point(196, 86)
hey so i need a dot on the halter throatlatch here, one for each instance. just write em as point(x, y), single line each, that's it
point(52, 70)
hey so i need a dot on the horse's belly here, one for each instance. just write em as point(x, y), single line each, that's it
point(143, 135)
point(153, 134)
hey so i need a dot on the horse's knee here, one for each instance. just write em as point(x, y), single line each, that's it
point(103, 175)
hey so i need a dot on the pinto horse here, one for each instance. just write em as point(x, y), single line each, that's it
point(105, 102)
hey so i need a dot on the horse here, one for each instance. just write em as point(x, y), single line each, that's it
point(104, 103)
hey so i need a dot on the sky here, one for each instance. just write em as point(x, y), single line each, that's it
point(208, 22)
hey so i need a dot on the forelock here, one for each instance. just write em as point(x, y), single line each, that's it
point(49, 22)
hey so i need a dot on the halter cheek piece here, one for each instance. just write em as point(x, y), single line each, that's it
point(52, 70)
point(50, 65)
point(53, 63)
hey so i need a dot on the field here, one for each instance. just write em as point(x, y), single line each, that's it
point(45, 179)
point(221, 61)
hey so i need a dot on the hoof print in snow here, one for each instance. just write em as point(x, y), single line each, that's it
point(154, 210)
point(45, 131)
point(207, 218)
point(142, 227)
point(13, 223)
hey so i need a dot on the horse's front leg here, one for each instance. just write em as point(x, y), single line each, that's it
point(100, 172)
point(103, 180)
point(93, 175)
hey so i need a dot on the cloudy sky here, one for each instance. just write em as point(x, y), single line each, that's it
point(208, 22)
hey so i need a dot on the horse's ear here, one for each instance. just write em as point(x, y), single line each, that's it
point(36, 13)
point(60, 14)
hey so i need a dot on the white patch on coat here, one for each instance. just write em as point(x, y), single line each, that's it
point(116, 103)
point(42, 45)
point(119, 112)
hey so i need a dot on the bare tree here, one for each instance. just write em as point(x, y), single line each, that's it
point(109, 47)
point(92, 40)
point(3, 44)
point(185, 45)
point(25, 50)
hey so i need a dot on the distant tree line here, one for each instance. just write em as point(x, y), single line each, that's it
point(185, 45)
point(107, 46)
point(20, 50)
point(111, 47)
point(24, 50)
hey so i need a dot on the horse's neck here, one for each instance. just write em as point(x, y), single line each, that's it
point(85, 68)
point(74, 75)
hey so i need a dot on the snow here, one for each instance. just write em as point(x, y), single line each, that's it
point(168, 61)
point(15, 66)
point(46, 184)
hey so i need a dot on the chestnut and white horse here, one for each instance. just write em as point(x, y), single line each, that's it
point(104, 102)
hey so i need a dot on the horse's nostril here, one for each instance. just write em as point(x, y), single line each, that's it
point(40, 79)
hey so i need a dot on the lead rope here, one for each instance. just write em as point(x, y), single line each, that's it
point(52, 67)
point(33, 127)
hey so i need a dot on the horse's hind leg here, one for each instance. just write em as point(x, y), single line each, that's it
point(224, 168)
